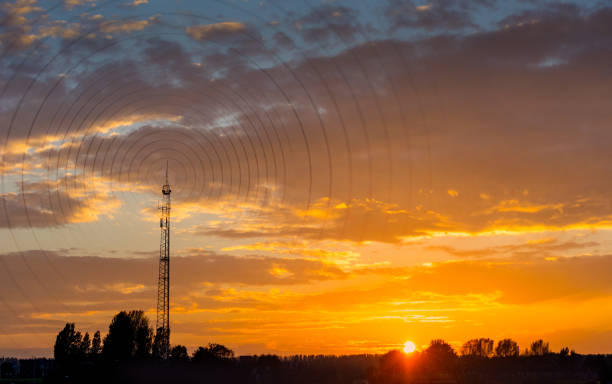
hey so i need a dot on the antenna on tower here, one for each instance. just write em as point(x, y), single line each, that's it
point(162, 336)
point(166, 172)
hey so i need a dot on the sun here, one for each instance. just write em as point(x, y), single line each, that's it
point(409, 347)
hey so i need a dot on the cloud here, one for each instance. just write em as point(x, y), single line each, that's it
point(357, 220)
point(215, 31)
point(135, 3)
point(16, 22)
point(86, 285)
point(434, 16)
point(283, 41)
point(330, 22)
point(14, 12)
point(196, 269)
point(307, 158)
point(69, 4)
point(343, 131)
point(554, 11)
point(59, 29)
point(52, 204)
point(548, 247)
point(496, 281)
point(243, 299)
point(114, 26)
point(300, 249)
point(571, 279)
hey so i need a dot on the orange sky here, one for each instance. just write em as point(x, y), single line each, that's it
point(345, 177)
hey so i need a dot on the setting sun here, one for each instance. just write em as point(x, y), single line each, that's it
point(409, 347)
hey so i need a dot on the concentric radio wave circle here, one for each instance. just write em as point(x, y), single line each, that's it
point(289, 134)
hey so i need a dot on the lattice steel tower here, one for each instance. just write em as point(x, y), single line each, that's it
point(163, 284)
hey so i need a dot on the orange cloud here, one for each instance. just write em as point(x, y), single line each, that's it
point(202, 32)
point(69, 4)
point(125, 26)
point(238, 301)
point(516, 206)
point(302, 248)
point(49, 203)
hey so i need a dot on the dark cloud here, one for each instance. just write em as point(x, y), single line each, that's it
point(233, 41)
point(329, 22)
point(283, 41)
point(559, 11)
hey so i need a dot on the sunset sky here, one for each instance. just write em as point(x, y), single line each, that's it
point(346, 175)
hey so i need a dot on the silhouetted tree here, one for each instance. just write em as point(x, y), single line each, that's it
point(507, 348)
point(564, 352)
point(129, 336)
point(179, 353)
point(478, 348)
point(68, 348)
point(212, 353)
point(221, 351)
point(268, 361)
point(539, 348)
point(85, 346)
point(438, 358)
point(96, 345)
point(440, 349)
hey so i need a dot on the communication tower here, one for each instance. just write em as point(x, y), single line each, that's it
point(163, 283)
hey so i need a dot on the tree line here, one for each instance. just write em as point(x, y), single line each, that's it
point(482, 361)
point(128, 353)
point(129, 337)
point(484, 347)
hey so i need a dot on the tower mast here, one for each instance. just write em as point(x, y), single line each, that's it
point(163, 283)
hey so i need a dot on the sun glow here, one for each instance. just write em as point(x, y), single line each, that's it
point(409, 347)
